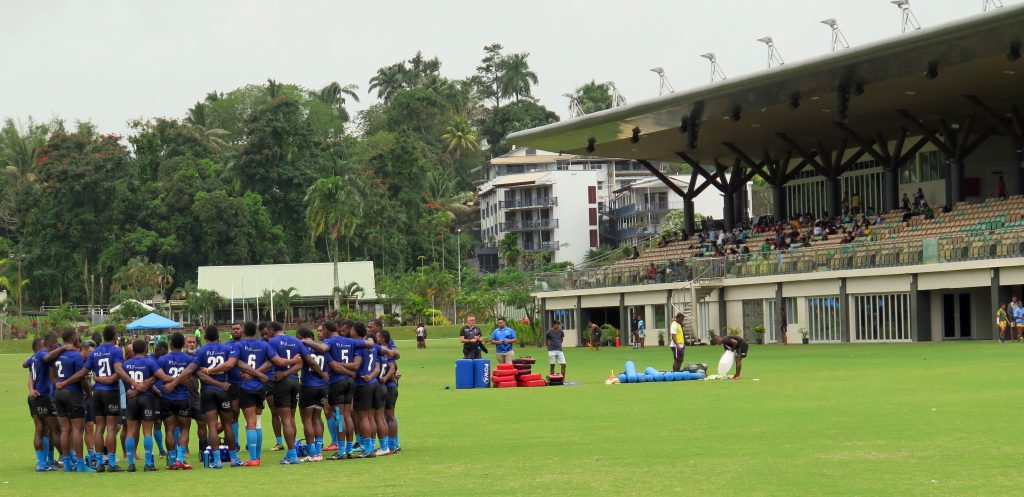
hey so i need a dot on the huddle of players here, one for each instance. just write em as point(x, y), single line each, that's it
point(351, 374)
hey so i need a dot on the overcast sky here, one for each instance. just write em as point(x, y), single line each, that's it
point(111, 61)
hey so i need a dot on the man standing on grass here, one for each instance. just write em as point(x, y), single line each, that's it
point(553, 339)
point(595, 335)
point(472, 339)
point(736, 344)
point(641, 330)
point(677, 341)
point(503, 337)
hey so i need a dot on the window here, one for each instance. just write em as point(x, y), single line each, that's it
point(593, 238)
point(881, 318)
point(593, 216)
point(516, 169)
point(790, 305)
point(562, 166)
point(592, 194)
point(595, 167)
point(565, 316)
point(659, 317)
point(823, 319)
point(927, 166)
point(600, 185)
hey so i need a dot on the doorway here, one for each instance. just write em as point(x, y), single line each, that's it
point(956, 316)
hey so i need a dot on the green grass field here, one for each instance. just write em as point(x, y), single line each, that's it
point(903, 420)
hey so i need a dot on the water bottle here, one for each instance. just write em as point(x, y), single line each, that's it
point(207, 457)
point(225, 454)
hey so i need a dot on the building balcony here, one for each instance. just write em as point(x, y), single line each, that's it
point(540, 246)
point(540, 224)
point(652, 207)
point(528, 203)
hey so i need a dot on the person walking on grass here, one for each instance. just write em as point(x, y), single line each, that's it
point(503, 337)
point(595, 336)
point(553, 339)
point(783, 327)
point(1001, 322)
point(677, 341)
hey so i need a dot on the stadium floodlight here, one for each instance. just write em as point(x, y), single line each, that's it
point(617, 99)
point(991, 4)
point(907, 18)
point(773, 53)
point(716, 69)
point(838, 38)
point(663, 85)
point(574, 105)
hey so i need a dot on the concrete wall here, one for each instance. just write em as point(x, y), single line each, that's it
point(572, 212)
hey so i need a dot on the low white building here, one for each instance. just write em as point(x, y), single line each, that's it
point(243, 287)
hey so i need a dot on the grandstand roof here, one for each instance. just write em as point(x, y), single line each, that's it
point(972, 57)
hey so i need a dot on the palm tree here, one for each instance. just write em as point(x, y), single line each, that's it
point(141, 279)
point(334, 95)
point(203, 303)
point(515, 76)
point(334, 207)
point(388, 81)
point(283, 300)
point(274, 88)
point(19, 154)
point(593, 97)
point(208, 135)
point(460, 138)
point(509, 250)
point(351, 291)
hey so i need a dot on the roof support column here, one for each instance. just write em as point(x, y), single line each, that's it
point(891, 200)
point(834, 196)
point(778, 202)
point(728, 212)
point(955, 142)
point(689, 219)
point(890, 158)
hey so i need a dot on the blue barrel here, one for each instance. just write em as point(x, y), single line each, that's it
point(660, 377)
point(622, 378)
point(481, 373)
point(464, 373)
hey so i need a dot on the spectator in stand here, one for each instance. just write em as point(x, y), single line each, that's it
point(662, 243)
point(929, 213)
point(636, 253)
point(652, 273)
point(918, 198)
point(905, 202)
point(1000, 187)
point(855, 203)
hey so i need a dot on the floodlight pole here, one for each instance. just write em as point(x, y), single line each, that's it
point(991, 4)
point(574, 105)
point(774, 58)
point(716, 69)
point(617, 99)
point(838, 38)
point(458, 259)
point(908, 19)
point(663, 85)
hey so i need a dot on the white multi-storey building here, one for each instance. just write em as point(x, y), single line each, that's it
point(553, 202)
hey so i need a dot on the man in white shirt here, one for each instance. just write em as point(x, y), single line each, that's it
point(677, 342)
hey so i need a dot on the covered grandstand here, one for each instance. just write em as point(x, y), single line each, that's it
point(933, 114)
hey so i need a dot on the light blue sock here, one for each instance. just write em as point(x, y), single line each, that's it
point(67, 464)
point(104, 457)
point(81, 466)
point(147, 445)
point(234, 427)
point(259, 443)
point(369, 446)
point(181, 453)
point(280, 440)
point(318, 445)
point(177, 433)
point(396, 431)
point(158, 437)
point(250, 442)
point(332, 425)
point(40, 458)
point(233, 455)
point(129, 449)
point(92, 456)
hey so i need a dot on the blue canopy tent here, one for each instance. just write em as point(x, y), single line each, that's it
point(152, 321)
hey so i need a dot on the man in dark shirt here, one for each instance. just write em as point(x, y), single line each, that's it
point(553, 339)
point(471, 339)
point(736, 344)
